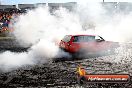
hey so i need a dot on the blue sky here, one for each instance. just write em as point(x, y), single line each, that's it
point(57, 1)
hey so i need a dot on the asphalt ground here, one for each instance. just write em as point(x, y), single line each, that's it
point(61, 73)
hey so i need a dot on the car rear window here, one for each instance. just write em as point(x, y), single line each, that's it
point(84, 38)
point(66, 38)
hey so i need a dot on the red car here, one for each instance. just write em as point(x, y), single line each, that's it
point(86, 44)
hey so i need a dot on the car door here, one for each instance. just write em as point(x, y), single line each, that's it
point(83, 42)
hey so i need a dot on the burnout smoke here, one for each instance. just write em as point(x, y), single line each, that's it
point(111, 22)
point(41, 31)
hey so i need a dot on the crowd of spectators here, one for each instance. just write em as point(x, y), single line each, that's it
point(5, 19)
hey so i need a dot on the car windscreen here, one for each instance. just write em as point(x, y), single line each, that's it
point(84, 38)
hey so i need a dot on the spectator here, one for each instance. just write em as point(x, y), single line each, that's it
point(5, 18)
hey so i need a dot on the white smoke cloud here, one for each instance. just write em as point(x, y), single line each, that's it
point(40, 24)
point(118, 29)
point(114, 24)
point(10, 60)
point(40, 31)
